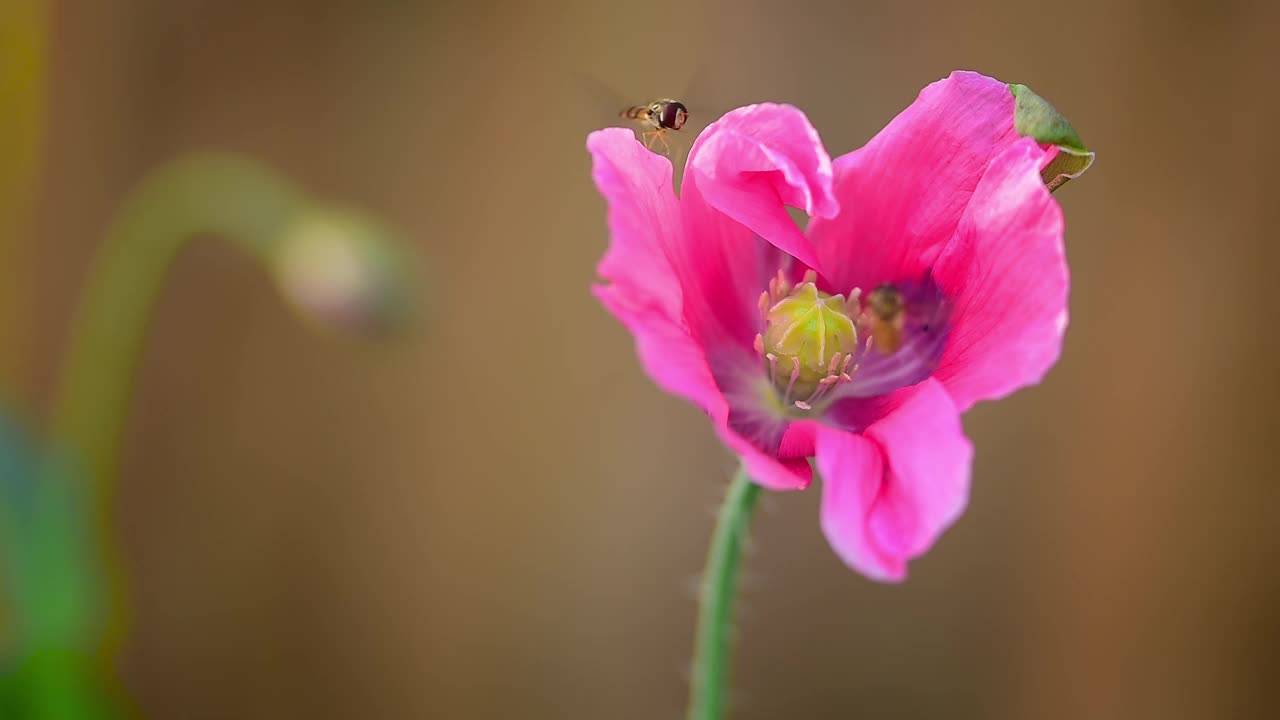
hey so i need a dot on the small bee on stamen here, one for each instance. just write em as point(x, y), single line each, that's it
point(883, 319)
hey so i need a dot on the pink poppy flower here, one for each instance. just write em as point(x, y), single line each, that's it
point(931, 276)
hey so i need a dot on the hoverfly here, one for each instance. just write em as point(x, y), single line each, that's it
point(665, 125)
point(658, 117)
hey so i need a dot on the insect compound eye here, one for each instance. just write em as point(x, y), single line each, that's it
point(674, 115)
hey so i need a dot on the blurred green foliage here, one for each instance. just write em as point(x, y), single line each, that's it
point(49, 664)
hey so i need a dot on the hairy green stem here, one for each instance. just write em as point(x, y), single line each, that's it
point(715, 612)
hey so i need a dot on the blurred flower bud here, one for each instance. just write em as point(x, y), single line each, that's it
point(1035, 117)
point(341, 269)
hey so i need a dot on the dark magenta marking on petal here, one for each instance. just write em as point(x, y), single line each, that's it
point(754, 413)
point(924, 338)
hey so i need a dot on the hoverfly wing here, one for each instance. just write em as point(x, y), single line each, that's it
point(606, 107)
point(706, 99)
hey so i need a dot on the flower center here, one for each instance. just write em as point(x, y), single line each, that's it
point(808, 341)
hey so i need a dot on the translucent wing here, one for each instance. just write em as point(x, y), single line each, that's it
point(606, 107)
point(603, 104)
point(706, 98)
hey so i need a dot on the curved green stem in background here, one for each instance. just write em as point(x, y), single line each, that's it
point(715, 611)
point(336, 265)
point(225, 195)
point(204, 194)
point(221, 194)
point(309, 249)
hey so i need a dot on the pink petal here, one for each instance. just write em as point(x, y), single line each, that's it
point(668, 354)
point(856, 414)
point(722, 267)
point(644, 217)
point(741, 172)
point(644, 294)
point(753, 161)
point(852, 470)
point(1006, 275)
point(648, 297)
point(765, 470)
point(927, 479)
point(891, 491)
point(902, 195)
point(775, 450)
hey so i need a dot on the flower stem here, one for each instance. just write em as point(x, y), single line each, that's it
point(335, 266)
point(215, 193)
point(715, 612)
point(219, 194)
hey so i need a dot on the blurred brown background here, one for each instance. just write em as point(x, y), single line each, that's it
point(320, 528)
